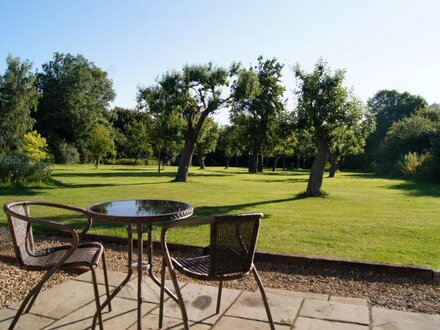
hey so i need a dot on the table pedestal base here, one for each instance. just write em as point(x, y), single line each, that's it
point(140, 265)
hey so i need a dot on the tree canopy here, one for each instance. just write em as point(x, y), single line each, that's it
point(74, 92)
point(324, 106)
point(18, 99)
point(256, 100)
point(192, 95)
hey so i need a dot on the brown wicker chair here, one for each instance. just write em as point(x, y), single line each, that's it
point(233, 240)
point(55, 258)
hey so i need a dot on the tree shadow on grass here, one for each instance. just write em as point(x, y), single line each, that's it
point(60, 184)
point(418, 188)
point(21, 191)
point(203, 211)
point(116, 174)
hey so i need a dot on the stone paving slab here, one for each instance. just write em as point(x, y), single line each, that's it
point(284, 308)
point(150, 290)
point(71, 305)
point(304, 323)
point(63, 299)
point(151, 321)
point(347, 300)
point(297, 294)
point(398, 320)
point(26, 321)
point(123, 314)
point(201, 302)
point(114, 278)
point(327, 310)
point(233, 323)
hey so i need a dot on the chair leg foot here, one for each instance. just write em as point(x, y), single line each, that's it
point(107, 288)
point(98, 305)
point(219, 297)
point(263, 295)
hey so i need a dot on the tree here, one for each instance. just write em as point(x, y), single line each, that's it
point(99, 143)
point(257, 98)
point(74, 94)
point(207, 141)
point(413, 134)
point(121, 119)
point(191, 95)
point(230, 142)
point(138, 140)
point(168, 137)
point(323, 107)
point(350, 139)
point(34, 145)
point(283, 139)
point(18, 98)
point(389, 106)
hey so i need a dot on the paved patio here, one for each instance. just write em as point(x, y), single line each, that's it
point(71, 306)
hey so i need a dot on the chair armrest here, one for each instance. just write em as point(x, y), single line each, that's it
point(86, 227)
point(181, 223)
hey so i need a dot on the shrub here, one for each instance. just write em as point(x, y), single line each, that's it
point(129, 161)
point(413, 165)
point(20, 169)
point(66, 153)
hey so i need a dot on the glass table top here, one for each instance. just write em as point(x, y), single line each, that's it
point(141, 208)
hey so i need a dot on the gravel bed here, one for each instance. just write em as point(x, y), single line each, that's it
point(396, 293)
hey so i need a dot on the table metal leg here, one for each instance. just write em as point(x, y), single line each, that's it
point(150, 261)
point(125, 281)
point(139, 268)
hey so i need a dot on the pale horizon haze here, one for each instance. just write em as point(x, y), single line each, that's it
point(385, 44)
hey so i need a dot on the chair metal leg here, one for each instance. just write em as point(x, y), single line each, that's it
point(32, 294)
point(162, 293)
point(263, 295)
point(219, 296)
point(178, 293)
point(34, 297)
point(98, 305)
point(107, 288)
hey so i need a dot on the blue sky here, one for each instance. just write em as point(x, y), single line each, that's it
point(388, 44)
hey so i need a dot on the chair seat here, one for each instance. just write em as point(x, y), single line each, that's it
point(199, 267)
point(87, 254)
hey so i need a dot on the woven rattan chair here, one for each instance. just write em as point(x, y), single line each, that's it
point(233, 240)
point(55, 258)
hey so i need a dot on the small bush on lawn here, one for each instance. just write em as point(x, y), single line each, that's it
point(129, 161)
point(20, 169)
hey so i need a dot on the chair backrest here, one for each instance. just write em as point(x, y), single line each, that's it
point(233, 242)
point(21, 230)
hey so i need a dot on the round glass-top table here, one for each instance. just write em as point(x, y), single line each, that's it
point(140, 211)
point(139, 215)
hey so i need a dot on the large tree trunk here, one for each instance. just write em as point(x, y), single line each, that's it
point(158, 161)
point(236, 161)
point(333, 165)
point(97, 161)
point(260, 162)
point(187, 155)
point(227, 162)
point(137, 159)
point(298, 162)
point(266, 165)
point(284, 162)
point(201, 162)
point(274, 165)
point(253, 162)
point(318, 166)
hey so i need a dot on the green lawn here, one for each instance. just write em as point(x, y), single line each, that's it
point(365, 217)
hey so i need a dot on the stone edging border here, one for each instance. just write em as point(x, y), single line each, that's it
point(375, 268)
